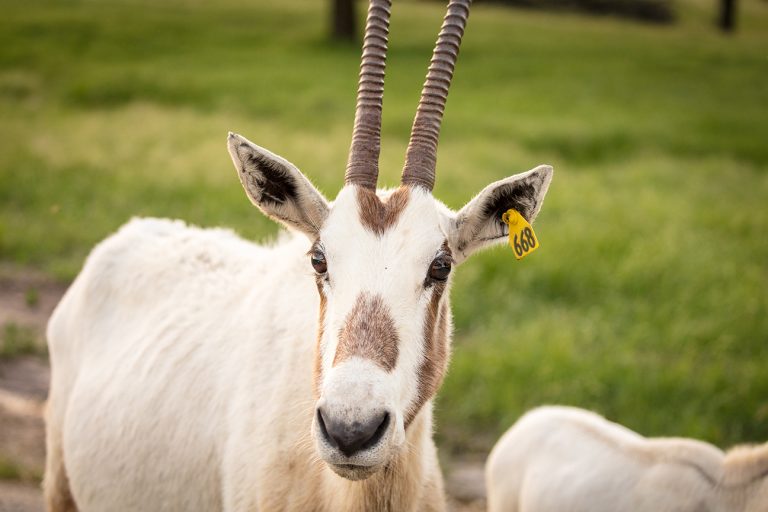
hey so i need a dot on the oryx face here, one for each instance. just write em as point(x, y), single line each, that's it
point(383, 264)
point(386, 265)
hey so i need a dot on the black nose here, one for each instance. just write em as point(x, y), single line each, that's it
point(353, 437)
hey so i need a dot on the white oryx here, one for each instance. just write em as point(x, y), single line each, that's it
point(193, 370)
point(564, 459)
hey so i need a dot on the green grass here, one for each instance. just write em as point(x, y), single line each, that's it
point(17, 340)
point(11, 470)
point(32, 297)
point(647, 300)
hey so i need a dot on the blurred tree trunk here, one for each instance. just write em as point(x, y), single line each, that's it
point(343, 20)
point(727, 19)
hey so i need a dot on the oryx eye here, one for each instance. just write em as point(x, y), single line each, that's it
point(318, 262)
point(440, 268)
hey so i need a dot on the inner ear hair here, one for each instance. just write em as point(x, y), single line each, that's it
point(518, 196)
point(479, 224)
point(277, 187)
point(266, 179)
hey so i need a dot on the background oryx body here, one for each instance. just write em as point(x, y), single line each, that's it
point(563, 458)
point(193, 370)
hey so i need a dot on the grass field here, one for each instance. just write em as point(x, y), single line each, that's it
point(648, 299)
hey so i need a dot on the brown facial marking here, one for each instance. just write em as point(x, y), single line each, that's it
point(318, 369)
point(369, 332)
point(378, 215)
point(437, 331)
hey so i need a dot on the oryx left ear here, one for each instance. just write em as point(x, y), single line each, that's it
point(277, 187)
point(479, 223)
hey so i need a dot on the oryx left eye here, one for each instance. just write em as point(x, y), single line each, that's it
point(440, 268)
point(318, 262)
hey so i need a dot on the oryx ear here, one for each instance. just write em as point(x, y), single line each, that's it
point(277, 187)
point(479, 223)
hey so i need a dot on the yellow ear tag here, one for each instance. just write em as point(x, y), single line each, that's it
point(522, 239)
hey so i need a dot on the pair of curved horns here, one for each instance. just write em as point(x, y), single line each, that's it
point(421, 157)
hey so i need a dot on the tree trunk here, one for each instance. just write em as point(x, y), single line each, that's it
point(343, 20)
point(727, 19)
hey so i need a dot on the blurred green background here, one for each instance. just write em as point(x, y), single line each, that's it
point(647, 301)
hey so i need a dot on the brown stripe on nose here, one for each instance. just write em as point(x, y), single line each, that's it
point(369, 332)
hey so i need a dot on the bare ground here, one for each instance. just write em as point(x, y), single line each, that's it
point(26, 301)
point(20, 497)
point(23, 386)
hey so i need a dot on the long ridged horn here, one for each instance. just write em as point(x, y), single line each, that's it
point(363, 163)
point(421, 157)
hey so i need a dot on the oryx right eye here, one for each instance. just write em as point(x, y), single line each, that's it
point(318, 262)
point(440, 268)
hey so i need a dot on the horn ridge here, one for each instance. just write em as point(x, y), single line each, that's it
point(363, 161)
point(421, 156)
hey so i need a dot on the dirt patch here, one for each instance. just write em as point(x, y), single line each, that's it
point(26, 376)
point(465, 485)
point(23, 387)
point(16, 497)
point(27, 299)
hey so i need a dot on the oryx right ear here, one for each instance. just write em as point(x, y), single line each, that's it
point(479, 223)
point(277, 187)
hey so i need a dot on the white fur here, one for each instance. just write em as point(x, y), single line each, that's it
point(566, 459)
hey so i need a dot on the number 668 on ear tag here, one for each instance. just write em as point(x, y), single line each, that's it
point(522, 239)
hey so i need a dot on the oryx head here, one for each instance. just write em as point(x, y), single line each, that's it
point(383, 260)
